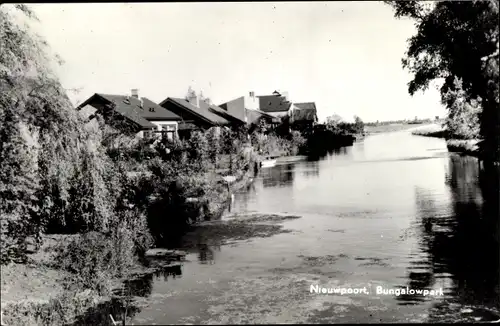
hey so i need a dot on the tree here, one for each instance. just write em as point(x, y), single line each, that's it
point(205, 99)
point(359, 125)
point(190, 93)
point(42, 135)
point(34, 107)
point(457, 40)
point(462, 121)
point(333, 119)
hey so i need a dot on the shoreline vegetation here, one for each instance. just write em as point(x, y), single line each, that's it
point(83, 203)
point(454, 143)
point(166, 189)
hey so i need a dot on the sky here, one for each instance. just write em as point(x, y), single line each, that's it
point(344, 56)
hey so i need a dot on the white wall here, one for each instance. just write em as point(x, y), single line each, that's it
point(290, 111)
point(87, 111)
point(278, 114)
point(252, 103)
point(159, 124)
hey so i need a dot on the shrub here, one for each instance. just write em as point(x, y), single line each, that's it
point(57, 311)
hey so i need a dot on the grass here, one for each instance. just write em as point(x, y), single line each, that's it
point(462, 146)
point(33, 294)
point(431, 133)
point(36, 293)
point(465, 146)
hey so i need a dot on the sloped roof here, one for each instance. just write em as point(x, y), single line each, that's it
point(203, 112)
point(220, 112)
point(187, 126)
point(306, 105)
point(254, 115)
point(132, 110)
point(273, 103)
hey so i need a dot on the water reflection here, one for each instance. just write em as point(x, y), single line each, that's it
point(139, 287)
point(459, 243)
point(310, 170)
point(99, 315)
point(332, 154)
point(278, 176)
point(206, 254)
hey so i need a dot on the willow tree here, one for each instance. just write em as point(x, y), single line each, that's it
point(457, 40)
point(40, 133)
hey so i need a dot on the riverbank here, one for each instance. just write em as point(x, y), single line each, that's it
point(463, 146)
point(43, 292)
point(72, 274)
point(231, 278)
point(36, 293)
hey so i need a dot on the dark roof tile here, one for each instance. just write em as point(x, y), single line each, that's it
point(306, 105)
point(130, 107)
point(305, 112)
point(273, 103)
point(203, 111)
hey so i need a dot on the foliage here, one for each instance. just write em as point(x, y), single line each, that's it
point(214, 147)
point(333, 120)
point(57, 311)
point(57, 172)
point(462, 121)
point(297, 142)
point(359, 126)
point(190, 93)
point(197, 149)
point(461, 145)
point(458, 40)
point(38, 127)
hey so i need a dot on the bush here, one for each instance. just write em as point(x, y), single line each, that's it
point(96, 258)
point(462, 121)
point(57, 311)
point(460, 145)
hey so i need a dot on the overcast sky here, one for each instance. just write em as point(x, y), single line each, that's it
point(345, 56)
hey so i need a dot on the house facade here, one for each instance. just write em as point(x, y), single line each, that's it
point(304, 116)
point(276, 104)
point(132, 114)
point(197, 115)
point(247, 109)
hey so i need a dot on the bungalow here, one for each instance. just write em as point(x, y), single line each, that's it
point(198, 115)
point(304, 116)
point(133, 115)
point(278, 104)
point(246, 109)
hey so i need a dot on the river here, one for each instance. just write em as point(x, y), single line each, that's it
point(394, 210)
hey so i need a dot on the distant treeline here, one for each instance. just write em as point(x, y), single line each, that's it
point(406, 121)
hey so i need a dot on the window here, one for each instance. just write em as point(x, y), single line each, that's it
point(168, 127)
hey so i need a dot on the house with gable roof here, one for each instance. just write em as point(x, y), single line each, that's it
point(304, 116)
point(246, 108)
point(132, 114)
point(197, 114)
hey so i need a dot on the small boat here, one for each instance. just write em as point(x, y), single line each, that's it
point(268, 163)
point(291, 159)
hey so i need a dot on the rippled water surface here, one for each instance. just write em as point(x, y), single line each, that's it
point(394, 210)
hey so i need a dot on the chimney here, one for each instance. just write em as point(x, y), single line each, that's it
point(252, 94)
point(135, 93)
point(194, 100)
point(286, 96)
